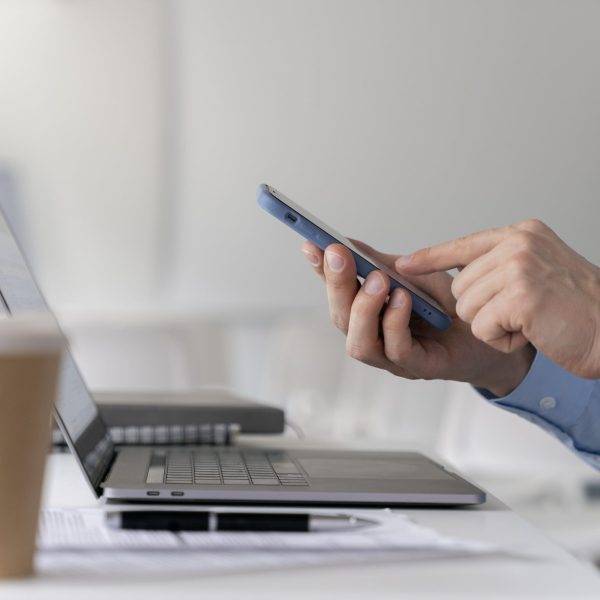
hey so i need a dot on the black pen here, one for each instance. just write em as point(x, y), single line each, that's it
point(172, 520)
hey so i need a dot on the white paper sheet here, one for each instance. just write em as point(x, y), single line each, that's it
point(84, 529)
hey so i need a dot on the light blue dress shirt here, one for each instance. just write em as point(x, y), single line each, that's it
point(563, 404)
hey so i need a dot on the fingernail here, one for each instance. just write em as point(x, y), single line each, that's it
point(373, 284)
point(334, 261)
point(404, 260)
point(313, 258)
point(397, 299)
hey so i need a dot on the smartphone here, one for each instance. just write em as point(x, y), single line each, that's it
point(315, 231)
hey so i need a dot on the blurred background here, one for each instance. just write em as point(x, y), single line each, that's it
point(133, 135)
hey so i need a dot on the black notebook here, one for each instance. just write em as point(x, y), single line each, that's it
point(199, 417)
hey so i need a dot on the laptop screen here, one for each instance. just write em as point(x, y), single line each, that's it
point(76, 411)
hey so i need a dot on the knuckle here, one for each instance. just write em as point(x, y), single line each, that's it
point(357, 352)
point(483, 330)
point(523, 301)
point(340, 321)
point(525, 241)
point(396, 341)
point(519, 263)
point(476, 330)
point(521, 291)
point(533, 226)
point(395, 354)
point(479, 329)
point(463, 310)
point(337, 283)
point(456, 287)
point(517, 296)
point(363, 309)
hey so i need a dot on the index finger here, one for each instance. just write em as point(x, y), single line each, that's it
point(453, 254)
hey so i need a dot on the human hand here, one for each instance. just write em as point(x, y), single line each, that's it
point(385, 335)
point(521, 284)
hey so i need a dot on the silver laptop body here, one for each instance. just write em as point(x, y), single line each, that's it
point(229, 474)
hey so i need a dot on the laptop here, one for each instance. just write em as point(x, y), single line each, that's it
point(225, 474)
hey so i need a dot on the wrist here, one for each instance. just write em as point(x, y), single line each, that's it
point(512, 372)
point(587, 364)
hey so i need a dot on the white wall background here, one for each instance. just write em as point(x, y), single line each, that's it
point(81, 127)
point(402, 123)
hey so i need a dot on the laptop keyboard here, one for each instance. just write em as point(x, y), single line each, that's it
point(224, 467)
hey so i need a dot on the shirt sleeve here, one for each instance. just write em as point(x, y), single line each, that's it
point(563, 404)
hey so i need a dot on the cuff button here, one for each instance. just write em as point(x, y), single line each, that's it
point(547, 403)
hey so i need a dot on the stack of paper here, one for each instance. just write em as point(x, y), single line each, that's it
point(78, 540)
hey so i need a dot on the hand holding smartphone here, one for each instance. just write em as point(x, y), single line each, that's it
point(320, 234)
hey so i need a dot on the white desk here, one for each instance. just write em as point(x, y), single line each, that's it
point(552, 574)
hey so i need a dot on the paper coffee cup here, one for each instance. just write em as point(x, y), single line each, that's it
point(30, 351)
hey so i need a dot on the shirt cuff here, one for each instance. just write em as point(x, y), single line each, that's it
point(550, 392)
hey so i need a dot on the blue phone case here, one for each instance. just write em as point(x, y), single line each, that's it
point(301, 223)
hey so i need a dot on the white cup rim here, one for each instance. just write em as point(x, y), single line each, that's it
point(30, 333)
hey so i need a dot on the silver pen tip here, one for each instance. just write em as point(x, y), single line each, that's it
point(338, 522)
point(112, 520)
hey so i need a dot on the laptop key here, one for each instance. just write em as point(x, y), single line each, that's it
point(286, 467)
point(265, 481)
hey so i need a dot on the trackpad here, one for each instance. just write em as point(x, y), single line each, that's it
point(370, 468)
